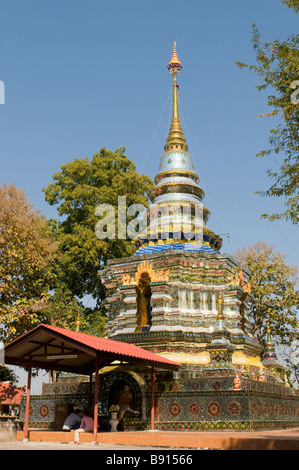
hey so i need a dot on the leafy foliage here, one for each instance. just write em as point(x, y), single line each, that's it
point(77, 190)
point(7, 375)
point(27, 252)
point(291, 355)
point(66, 311)
point(293, 4)
point(275, 296)
point(278, 66)
point(62, 309)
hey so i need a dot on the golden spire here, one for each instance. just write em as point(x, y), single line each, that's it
point(174, 61)
point(268, 332)
point(175, 139)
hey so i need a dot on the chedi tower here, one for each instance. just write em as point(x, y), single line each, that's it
point(177, 214)
point(181, 298)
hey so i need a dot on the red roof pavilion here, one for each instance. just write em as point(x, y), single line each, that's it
point(53, 348)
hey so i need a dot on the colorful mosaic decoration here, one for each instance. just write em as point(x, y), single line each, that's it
point(184, 300)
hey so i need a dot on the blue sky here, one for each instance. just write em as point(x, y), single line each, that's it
point(81, 75)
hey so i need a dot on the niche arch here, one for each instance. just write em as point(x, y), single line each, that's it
point(113, 385)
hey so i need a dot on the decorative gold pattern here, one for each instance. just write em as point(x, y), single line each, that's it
point(238, 280)
point(145, 267)
point(174, 63)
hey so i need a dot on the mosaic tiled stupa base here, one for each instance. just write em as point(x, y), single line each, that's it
point(189, 400)
point(226, 380)
point(181, 298)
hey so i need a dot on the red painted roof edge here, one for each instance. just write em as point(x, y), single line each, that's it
point(127, 348)
point(100, 344)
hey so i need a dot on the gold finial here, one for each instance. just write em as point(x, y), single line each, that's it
point(175, 139)
point(174, 65)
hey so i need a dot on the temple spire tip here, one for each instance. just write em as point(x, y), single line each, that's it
point(174, 65)
point(175, 139)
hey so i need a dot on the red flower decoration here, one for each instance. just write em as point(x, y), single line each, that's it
point(234, 408)
point(194, 409)
point(44, 410)
point(175, 409)
point(214, 408)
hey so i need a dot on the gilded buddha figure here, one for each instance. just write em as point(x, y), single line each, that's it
point(143, 292)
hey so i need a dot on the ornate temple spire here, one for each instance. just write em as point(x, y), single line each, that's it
point(177, 216)
point(269, 353)
point(175, 139)
point(174, 62)
point(220, 333)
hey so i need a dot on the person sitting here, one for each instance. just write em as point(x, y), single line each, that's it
point(85, 426)
point(73, 421)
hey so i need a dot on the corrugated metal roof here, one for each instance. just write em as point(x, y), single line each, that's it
point(41, 344)
point(111, 346)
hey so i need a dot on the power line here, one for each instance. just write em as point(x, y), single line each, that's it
point(241, 176)
point(154, 138)
point(211, 204)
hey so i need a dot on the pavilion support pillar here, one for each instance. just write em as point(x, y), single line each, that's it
point(96, 401)
point(27, 406)
point(90, 393)
point(153, 379)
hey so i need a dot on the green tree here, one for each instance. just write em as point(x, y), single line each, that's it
point(278, 66)
point(7, 375)
point(27, 251)
point(62, 309)
point(77, 190)
point(291, 356)
point(275, 296)
point(66, 311)
point(94, 321)
point(294, 4)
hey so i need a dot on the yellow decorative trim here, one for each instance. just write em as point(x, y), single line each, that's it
point(174, 173)
point(184, 358)
point(241, 358)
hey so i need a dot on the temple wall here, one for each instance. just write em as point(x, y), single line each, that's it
point(191, 399)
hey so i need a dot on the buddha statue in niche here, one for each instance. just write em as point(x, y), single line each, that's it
point(143, 292)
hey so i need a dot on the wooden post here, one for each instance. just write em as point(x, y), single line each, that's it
point(27, 407)
point(153, 378)
point(90, 393)
point(96, 406)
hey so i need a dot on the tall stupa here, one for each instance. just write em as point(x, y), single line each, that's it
point(180, 297)
point(177, 214)
point(166, 296)
point(183, 299)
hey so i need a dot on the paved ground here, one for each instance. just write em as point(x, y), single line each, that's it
point(19, 445)
point(160, 442)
